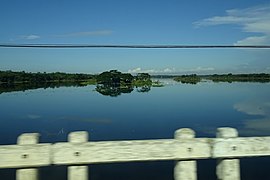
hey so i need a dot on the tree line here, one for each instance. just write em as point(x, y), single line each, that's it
point(26, 77)
point(255, 77)
point(194, 78)
point(111, 83)
point(115, 77)
point(188, 79)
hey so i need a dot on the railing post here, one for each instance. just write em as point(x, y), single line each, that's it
point(78, 172)
point(228, 169)
point(185, 170)
point(30, 173)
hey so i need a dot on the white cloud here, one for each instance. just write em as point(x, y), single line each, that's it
point(255, 19)
point(86, 33)
point(29, 37)
point(152, 71)
point(254, 40)
point(136, 70)
point(172, 70)
point(140, 70)
point(200, 69)
point(168, 70)
point(74, 34)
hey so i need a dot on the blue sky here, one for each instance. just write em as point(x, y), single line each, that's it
point(126, 22)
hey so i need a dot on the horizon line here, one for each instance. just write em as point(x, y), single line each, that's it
point(131, 46)
point(152, 74)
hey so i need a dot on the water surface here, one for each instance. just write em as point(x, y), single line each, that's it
point(153, 114)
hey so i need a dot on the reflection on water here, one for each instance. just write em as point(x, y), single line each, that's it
point(6, 87)
point(113, 90)
point(144, 88)
point(259, 122)
point(54, 113)
point(60, 132)
point(253, 107)
point(33, 116)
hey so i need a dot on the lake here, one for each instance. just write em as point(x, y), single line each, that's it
point(150, 113)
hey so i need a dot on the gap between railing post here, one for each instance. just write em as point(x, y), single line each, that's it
point(29, 173)
point(185, 170)
point(78, 172)
point(228, 169)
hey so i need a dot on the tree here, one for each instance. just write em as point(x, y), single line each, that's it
point(114, 77)
point(126, 78)
point(143, 76)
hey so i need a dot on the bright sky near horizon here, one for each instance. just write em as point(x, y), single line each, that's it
point(144, 22)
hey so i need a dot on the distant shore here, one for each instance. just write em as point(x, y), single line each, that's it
point(22, 77)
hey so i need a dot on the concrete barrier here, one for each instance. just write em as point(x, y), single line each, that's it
point(184, 149)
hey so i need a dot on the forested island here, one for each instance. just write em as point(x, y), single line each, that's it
point(20, 81)
point(113, 82)
point(261, 77)
point(11, 77)
point(111, 77)
point(188, 79)
point(194, 79)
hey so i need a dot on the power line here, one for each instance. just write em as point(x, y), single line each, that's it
point(132, 46)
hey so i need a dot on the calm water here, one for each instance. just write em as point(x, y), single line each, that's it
point(156, 113)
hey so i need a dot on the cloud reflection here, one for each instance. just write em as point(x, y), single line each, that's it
point(258, 125)
point(252, 108)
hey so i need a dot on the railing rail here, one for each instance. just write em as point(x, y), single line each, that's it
point(185, 149)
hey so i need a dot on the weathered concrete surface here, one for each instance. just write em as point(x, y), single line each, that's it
point(27, 174)
point(185, 170)
point(184, 149)
point(78, 172)
point(227, 169)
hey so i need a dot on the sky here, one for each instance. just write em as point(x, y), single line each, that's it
point(140, 22)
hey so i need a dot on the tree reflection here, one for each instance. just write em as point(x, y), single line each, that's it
point(143, 89)
point(113, 90)
point(12, 87)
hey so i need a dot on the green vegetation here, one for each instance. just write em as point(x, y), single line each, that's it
point(111, 83)
point(113, 91)
point(89, 82)
point(262, 77)
point(114, 83)
point(114, 77)
point(157, 84)
point(20, 81)
point(6, 87)
point(188, 79)
point(11, 77)
point(142, 79)
point(194, 79)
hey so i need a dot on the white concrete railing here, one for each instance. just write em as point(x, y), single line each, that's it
point(185, 149)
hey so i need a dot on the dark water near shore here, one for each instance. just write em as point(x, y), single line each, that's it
point(152, 114)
